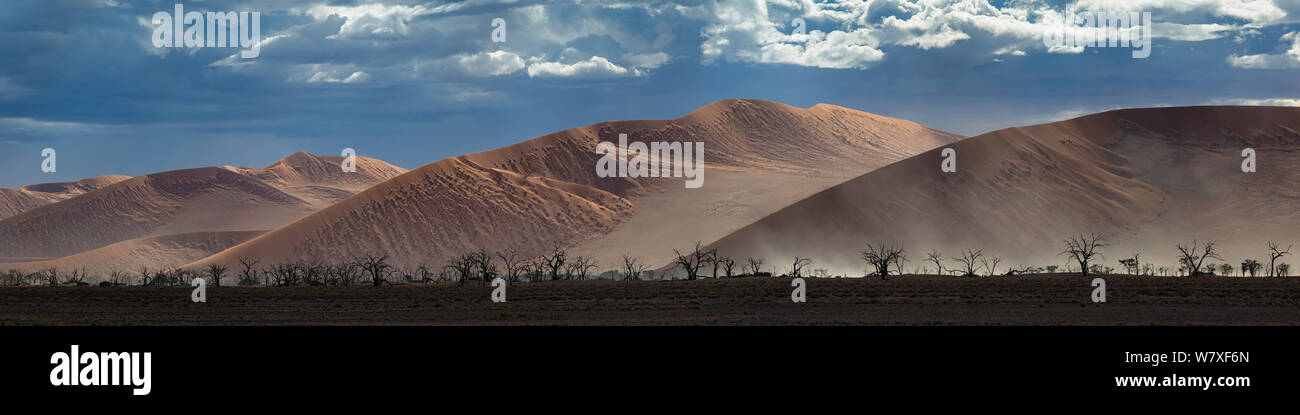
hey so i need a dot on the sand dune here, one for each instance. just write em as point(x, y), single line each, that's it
point(153, 253)
point(205, 199)
point(759, 156)
point(1146, 178)
point(15, 201)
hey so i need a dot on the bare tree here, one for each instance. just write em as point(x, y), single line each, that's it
point(377, 266)
point(728, 266)
point(1024, 269)
point(968, 259)
point(249, 275)
point(314, 273)
point(755, 265)
point(483, 263)
point(1283, 269)
point(1275, 253)
point(711, 257)
point(580, 267)
point(77, 278)
point(632, 267)
point(991, 263)
point(555, 261)
point(691, 261)
point(426, 275)
point(513, 263)
point(1083, 249)
point(462, 266)
point(880, 256)
point(935, 257)
point(798, 265)
point(347, 273)
point(116, 278)
point(1192, 256)
point(216, 271)
point(537, 269)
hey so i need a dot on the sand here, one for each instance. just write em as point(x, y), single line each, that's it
point(1146, 178)
point(544, 192)
point(15, 201)
point(209, 199)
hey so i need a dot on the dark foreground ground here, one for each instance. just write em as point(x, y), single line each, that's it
point(909, 300)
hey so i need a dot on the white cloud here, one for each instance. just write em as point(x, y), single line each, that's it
point(1191, 32)
point(647, 60)
point(234, 60)
point(755, 30)
point(1274, 102)
point(326, 73)
point(1288, 59)
point(744, 32)
point(369, 20)
point(489, 63)
point(1255, 11)
point(596, 67)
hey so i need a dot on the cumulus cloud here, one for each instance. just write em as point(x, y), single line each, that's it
point(595, 68)
point(1286, 60)
point(369, 20)
point(757, 31)
point(493, 63)
point(744, 32)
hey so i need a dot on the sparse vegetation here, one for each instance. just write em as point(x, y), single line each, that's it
point(968, 259)
point(1273, 254)
point(799, 263)
point(1082, 249)
point(1192, 256)
point(632, 268)
point(881, 255)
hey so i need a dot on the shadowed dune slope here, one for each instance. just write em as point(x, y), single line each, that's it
point(195, 200)
point(1145, 178)
point(15, 201)
point(542, 192)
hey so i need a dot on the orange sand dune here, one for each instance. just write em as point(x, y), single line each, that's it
point(15, 201)
point(759, 156)
point(152, 253)
point(196, 200)
point(1146, 178)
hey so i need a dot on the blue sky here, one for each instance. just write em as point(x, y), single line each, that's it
point(411, 82)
